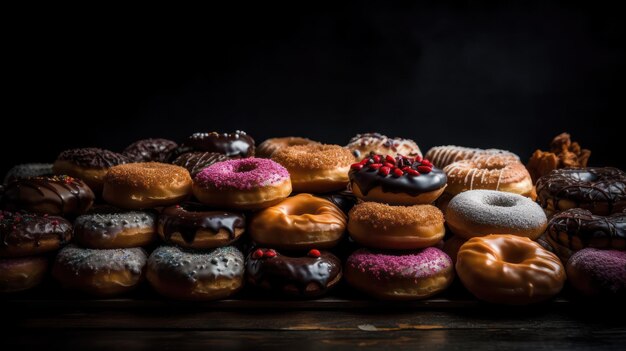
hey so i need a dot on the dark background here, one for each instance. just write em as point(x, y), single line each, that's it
point(506, 76)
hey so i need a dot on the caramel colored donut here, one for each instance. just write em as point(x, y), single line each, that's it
point(316, 168)
point(23, 273)
point(116, 230)
point(304, 276)
point(26, 234)
point(397, 180)
point(99, 272)
point(362, 145)
point(150, 150)
point(300, 222)
point(250, 183)
point(509, 269)
point(146, 185)
point(400, 276)
point(442, 156)
point(28, 170)
point(269, 146)
point(195, 162)
point(196, 275)
point(237, 144)
point(194, 226)
point(89, 164)
point(490, 173)
point(481, 212)
point(395, 227)
point(599, 190)
point(595, 272)
point(56, 195)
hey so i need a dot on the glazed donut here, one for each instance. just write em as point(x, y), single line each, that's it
point(452, 246)
point(396, 181)
point(362, 145)
point(396, 276)
point(89, 164)
point(115, 230)
point(99, 272)
point(599, 190)
point(269, 146)
point(250, 183)
point(383, 226)
point(482, 212)
point(196, 275)
point(237, 144)
point(300, 222)
point(56, 195)
point(316, 168)
point(509, 269)
point(192, 225)
point(598, 272)
point(27, 234)
point(146, 185)
point(23, 273)
point(195, 162)
point(304, 276)
point(575, 229)
point(442, 156)
point(28, 170)
point(150, 150)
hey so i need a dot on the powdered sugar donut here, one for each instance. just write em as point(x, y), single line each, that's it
point(598, 272)
point(249, 183)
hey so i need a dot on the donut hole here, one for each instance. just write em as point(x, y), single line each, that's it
point(245, 167)
point(515, 254)
point(500, 201)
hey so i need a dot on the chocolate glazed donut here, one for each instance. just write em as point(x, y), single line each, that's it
point(307, 276)
point(197, 161)
point(237, 144)
point(27, 234)
point(150, 150)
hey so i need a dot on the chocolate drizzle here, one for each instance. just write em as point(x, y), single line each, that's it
point(591, 230)
point(188, 218)
point(237, 144)
point(18, 228)
point(92, 157)
point(197, 161)
point(150, 150)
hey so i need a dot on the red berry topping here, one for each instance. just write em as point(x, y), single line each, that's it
point(258, 253)
point(314, 253)
point(418, 158)
point(425, 162)
point(376, 158)
point(398, 172)
point(406, 168)
point(269, 253)
point(390, 159)
point(375, 166)
point(357, 166)
point(384, 170)
point(390, 164)
point(424, 169)
point(413, 172)
point(54, 222)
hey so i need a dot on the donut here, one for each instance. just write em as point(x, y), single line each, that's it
point(575, 229)
point(599, 190)
point(383, 226)
point(115, 230)
point(362, 145)
point(28, 170)
point(27, 234)
point(250, 183)
point(56, 195)
point(597, 272)
point(400, 276)
point(150, 150)
point(196, 275)
point(194, 162)
point(269, 146)
point(192, 225)
point(146, 185)
point(481, 212)
point(89, 164)
point(452, 246)
point(237, 144)
point(441, 156)
point(300, 222)
point(302, 276)
point(509, 269)
point(397, 180)
point(22, 273)
point(99, 272)
point(316, 168)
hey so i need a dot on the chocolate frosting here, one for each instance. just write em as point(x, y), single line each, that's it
point(66, 195)
point(237, 144)
point(197, 161)
point(92, 157)
point(280, 272)
point(98, 225)
point(588, 228)
point(585, 187)
point(21, 227)
point(150, 150)
point(345, 200)
point(28, 170)
point(188, 218)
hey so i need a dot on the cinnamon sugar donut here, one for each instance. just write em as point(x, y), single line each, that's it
point(269, 146)
point(441, 156)
point(90, 164)
point(316, 168)
point(362, 145)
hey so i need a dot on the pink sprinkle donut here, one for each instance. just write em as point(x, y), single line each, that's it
point(249, 183)
point(598, 272)
point(394, 276)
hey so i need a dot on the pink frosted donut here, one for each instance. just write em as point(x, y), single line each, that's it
point(394, 276)
point(598, 272)
point(249, 183)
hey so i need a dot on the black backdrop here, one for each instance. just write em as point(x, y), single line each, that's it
point(505, 76)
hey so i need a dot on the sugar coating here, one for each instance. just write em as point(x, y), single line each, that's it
point(109, 224)
point(147, 174)
point(28, 170)
point(607, 268)
point(378, 215)
point(422, 264)
point(79, 259)
point(314, 157)
point(243, 174)
point(498, 209)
